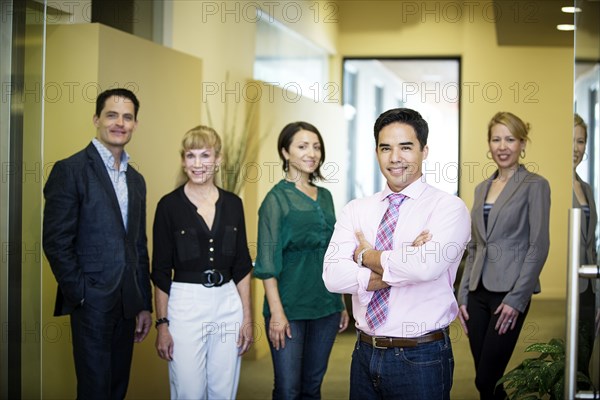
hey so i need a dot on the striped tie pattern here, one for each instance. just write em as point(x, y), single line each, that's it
point(377, 310)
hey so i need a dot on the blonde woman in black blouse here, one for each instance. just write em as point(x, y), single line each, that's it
point(201, 273)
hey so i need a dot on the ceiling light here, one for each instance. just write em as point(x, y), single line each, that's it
point(571, 10)
point(565, 27)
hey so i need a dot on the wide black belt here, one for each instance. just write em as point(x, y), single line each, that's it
point(385, 342)
point(208, 277)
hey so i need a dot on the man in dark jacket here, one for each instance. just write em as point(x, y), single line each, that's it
point(94, 237)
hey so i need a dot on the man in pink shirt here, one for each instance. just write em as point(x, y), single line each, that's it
point(397, 253)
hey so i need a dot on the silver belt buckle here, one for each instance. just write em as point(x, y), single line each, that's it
point(374, 342)
point(213, 277)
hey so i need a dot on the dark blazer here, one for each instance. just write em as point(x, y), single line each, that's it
point(587, 247)
point(91, 254)
point(509, 254)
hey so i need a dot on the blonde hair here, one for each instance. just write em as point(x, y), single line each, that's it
point(580, 122)
point(515, 125)
point(199, 137)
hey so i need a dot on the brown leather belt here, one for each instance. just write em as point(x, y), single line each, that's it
point(384, 342)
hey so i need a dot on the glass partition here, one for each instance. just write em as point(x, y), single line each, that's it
point(586, 187)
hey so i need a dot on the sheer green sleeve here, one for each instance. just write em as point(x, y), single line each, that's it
point(270, 245)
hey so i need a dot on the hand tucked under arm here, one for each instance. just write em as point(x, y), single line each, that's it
point(376, 282)
point(372, 258)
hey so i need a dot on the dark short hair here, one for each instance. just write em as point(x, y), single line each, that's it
point(287, 136)
point(119, 92)
point(403, 116)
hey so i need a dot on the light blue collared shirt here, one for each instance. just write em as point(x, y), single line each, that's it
point(118, 178)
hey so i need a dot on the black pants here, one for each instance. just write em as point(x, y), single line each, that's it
point(491, 352)
point(102, 349)
point(587, 326)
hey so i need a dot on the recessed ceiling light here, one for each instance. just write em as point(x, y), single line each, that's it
point(571, 10)
point(565, 27)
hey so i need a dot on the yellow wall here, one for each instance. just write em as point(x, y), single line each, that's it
point(544, 98)
point(227, 49)
point(88, 57)
point(223, 35)
point(71, 60)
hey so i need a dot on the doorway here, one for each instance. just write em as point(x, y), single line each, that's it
point(428, 85)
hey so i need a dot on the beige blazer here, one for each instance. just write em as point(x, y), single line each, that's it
point(508, 254)
point(587, 245)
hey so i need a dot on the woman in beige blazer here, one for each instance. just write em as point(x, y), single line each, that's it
point(508, 248)
point(583, 198)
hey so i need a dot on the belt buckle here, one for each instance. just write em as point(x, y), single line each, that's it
point(374, 342)
point(213, 278)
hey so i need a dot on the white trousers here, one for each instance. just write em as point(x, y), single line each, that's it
point(205, 324)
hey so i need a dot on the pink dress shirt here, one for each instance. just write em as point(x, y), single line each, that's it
point(422, 278)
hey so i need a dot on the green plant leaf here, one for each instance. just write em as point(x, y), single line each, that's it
point(538, 377)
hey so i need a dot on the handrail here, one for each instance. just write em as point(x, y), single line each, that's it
point(572, 303)
point(589, 271)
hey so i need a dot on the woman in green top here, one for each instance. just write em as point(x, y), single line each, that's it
point(295, 224)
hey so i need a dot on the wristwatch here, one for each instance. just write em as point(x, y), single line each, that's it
point(161, 321)
point(359, 259)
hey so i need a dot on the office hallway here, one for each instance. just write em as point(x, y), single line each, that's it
point(546, 320)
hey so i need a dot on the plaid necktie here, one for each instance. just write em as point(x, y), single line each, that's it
point(377, 310)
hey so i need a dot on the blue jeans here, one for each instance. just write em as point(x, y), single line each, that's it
point(402, 373)
point(300, 366)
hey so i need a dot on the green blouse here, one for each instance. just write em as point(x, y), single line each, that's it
point(293, 234)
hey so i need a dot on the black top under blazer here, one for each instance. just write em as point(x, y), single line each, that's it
point(92, 255)
point(508, 254)
point(587, 244)
point(184, 247)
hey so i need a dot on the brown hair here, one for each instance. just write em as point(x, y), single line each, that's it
point(286, 136)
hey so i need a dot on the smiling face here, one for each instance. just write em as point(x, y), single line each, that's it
point(200, 165)
point(505, 148)
point(579, 142)
point(400, 156)
point(116, 123)
point(303, 155)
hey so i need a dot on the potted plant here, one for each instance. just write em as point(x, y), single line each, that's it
point(542, 377)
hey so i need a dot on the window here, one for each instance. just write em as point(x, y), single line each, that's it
point(284, 58)
point(430, 86)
